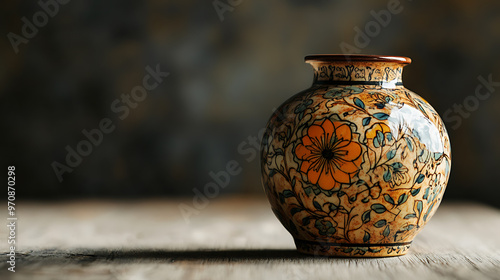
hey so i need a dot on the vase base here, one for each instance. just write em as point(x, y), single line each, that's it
point(330, 249)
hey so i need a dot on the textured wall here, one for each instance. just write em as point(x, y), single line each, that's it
point(225, 78)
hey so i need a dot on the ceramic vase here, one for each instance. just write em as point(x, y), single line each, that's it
point(357, 164)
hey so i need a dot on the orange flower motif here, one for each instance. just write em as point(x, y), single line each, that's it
point(328, 155)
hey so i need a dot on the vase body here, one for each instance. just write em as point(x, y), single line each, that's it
point(357, 164)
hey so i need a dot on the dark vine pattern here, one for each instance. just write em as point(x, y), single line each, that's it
point(366, 72)
point(400, 176)
point(353, 251)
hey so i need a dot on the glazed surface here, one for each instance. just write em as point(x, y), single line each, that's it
point(355, 165)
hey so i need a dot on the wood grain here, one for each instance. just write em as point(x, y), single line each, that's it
point(232, 238)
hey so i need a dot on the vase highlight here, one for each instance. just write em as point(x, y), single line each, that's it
point(357, 164)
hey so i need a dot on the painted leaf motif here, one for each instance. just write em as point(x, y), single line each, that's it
point(419, 207)
point(407, 228)
point(392, 153)
point(424, 156)
point(409, 216)
point(295, 211)
point(402, 199)
point(387, 175)
point(366, 121)
point(272, 173)
point(316, 205)
point(359, 103)
point(388, 135)
point(381, 116)
point(437, 155)
point(428, 212)
point(366, 238)
point(386, 231)
point(389, 199)
point(410, 145)
point(366, 216)
point(378, 208)
point(423, 111)
point(420, 178)
point(288, 193)
point(380, 137)
point(426, 194)
point(308, 190)
point(316, 191)
point(415, 191)
point(380, 223)
point(376, 142)
point(306, 221)
point(301, 107)
point(397, 165)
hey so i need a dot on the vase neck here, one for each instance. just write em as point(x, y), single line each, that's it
point(358, 69)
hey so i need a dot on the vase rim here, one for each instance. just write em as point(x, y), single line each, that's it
point(357, 57)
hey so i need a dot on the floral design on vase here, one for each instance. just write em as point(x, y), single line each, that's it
point(357, 164)
point(329, 157)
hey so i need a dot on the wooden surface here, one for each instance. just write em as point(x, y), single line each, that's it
point(232, 238)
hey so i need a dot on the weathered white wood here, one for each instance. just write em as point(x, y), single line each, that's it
point(232, 238)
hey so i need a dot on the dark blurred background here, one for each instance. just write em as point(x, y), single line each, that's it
point(229, 65)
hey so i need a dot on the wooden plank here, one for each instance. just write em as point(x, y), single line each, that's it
point(232, 238)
